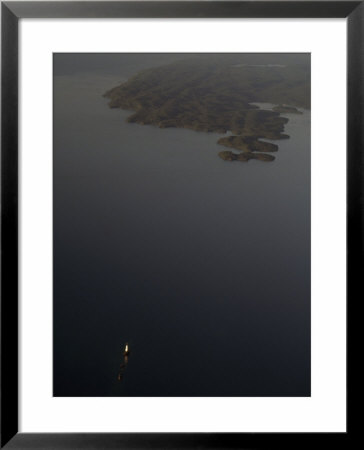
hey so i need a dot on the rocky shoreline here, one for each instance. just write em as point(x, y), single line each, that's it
point(212, 96)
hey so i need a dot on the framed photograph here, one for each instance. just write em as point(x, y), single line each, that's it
point(181, 210)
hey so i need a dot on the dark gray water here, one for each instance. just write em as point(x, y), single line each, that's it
point(202, 265)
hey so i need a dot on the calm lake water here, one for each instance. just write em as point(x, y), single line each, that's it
point(202, 265)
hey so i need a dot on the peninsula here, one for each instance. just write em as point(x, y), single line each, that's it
point(214, 93)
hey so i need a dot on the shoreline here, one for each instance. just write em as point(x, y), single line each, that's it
point(213, 98)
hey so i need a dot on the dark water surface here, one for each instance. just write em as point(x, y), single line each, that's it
point(202, 265)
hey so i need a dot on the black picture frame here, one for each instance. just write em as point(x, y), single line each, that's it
point(11, 12)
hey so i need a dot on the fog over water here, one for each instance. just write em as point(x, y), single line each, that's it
point(202, 265)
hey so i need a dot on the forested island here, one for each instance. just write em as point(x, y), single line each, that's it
point(215, 93)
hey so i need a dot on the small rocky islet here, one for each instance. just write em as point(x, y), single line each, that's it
point(245, 156)
point(215, 93)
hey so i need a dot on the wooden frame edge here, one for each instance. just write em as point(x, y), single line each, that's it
point(9, 224)
point(183, 9)
point(11, 13)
